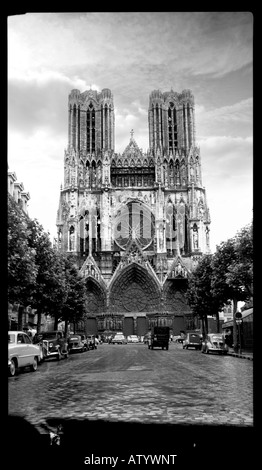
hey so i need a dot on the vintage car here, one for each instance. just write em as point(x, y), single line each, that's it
point(53, 343)
point(214, 342)
point(119, 338)
point(76, 343)
point(21, 352)
point(132, 339)
point(192, 340)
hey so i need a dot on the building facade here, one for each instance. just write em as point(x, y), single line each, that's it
point(137, 222)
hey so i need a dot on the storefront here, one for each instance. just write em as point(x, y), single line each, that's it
point(245, 329)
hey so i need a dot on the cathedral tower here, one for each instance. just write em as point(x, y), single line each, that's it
point(91, 123)
point(171, 118)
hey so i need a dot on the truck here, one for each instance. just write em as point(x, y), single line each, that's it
point(159, 337)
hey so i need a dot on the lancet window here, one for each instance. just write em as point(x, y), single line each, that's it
point(172, 127)
point(90, 129)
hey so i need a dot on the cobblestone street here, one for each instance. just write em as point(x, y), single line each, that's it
point(132, 383)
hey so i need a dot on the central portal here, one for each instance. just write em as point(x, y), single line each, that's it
point(134, 290)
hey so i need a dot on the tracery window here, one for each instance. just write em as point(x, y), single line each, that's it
point(134, 221)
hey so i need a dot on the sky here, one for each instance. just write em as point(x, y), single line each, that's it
point(132, 54)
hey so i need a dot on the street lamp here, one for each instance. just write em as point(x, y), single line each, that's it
point(238, 322)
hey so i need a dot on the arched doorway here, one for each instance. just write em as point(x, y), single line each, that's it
point(95, 304)
point(134, 293)
point(174, 293)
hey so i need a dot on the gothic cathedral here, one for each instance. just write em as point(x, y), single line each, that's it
point(136, 222)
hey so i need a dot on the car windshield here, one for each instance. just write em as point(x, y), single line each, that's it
point(11, 338)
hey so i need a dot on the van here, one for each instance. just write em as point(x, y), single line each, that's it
point(159, 337)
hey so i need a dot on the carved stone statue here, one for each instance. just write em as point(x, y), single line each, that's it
point(195, 240)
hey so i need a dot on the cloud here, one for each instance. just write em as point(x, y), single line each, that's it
point(38, 163)
point(197, 43)
point(240, 112)
point(39, 101)
point(227, 174)
point(227, 157)
point(235, 119)
point(126, 121)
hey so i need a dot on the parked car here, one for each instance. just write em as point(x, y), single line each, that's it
point(192, 340)
point(119, 338)
point(132, 339)
point(76, 344)
point(54, 344)
point(214, 342)
point(21, 352)
point(91, 341)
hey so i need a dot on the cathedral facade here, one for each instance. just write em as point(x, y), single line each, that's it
point(137, 222)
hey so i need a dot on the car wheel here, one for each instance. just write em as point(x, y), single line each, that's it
point(34, 365)
point(12, 368)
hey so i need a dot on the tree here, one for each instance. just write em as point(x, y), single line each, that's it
point(241, 272)
point(49, 290)
point(199, 293)
point(233, 271)
point(38, 275)
point(73, 305)
point(21, 261)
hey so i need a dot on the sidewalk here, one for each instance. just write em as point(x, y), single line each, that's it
point(244, 354)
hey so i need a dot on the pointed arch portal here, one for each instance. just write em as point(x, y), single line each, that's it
point(95, 297)
point(134, 290)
